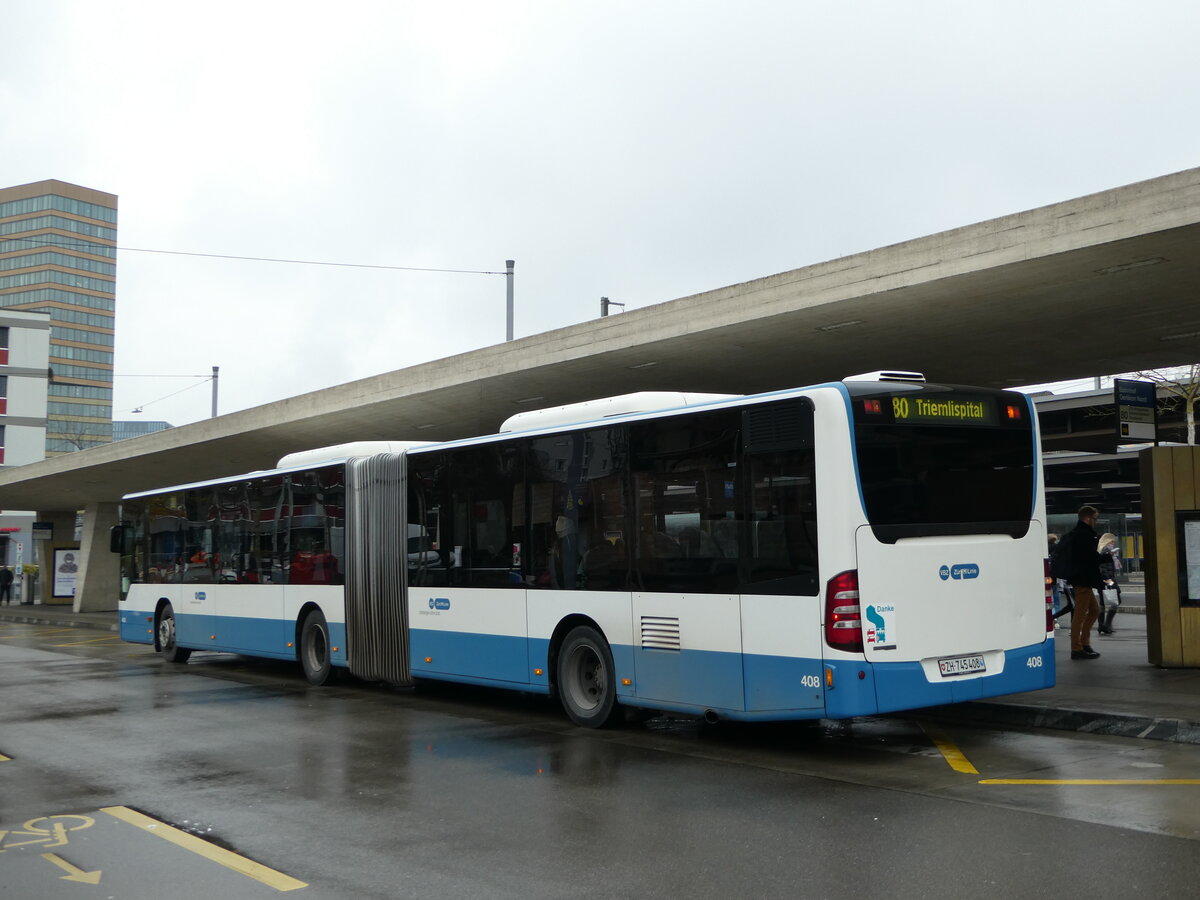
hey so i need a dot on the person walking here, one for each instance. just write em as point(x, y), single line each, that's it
point(1110, 594)
point(1085, 578)
point(1060, 590)
point(6, 583)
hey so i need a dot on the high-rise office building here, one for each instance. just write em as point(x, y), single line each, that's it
point(58, 247)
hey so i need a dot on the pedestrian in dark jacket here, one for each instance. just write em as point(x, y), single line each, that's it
point(6, 583)
point(1087, 581)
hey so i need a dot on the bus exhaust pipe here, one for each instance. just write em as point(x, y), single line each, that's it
point(711, 717)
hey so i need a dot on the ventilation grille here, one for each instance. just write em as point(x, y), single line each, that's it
point(785, 425)
point(660, 633)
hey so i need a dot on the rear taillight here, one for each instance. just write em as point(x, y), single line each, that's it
point(1049, 595)
point(843, 615)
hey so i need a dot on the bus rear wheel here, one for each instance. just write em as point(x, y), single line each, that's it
point(171, 651)
point(314, 649)
point(587, 686)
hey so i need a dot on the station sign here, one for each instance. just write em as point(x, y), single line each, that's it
point(1137, 411)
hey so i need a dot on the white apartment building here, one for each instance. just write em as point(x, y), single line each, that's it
point(24, 380)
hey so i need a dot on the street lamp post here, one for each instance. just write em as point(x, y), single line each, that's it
point(605, 303)
point(509, 277)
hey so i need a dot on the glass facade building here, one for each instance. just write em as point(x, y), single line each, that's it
point(58, 247)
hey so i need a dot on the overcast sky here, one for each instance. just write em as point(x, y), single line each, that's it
point(640, 150)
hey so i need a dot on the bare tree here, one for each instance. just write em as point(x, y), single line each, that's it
point(82, 435)
point(1183, 386)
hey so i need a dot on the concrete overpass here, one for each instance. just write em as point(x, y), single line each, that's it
point(1103, 282)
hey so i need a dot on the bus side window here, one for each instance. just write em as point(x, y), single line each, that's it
point(684, 478)
point(478, 537)
point(781, 535)
point(576, 510)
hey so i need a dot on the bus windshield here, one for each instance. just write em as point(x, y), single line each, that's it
point(937, 461)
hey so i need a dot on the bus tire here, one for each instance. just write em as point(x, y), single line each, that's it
point(314, 649)
point(587, 685)
point(171, 651)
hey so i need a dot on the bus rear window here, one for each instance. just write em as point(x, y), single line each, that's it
point(944, 462)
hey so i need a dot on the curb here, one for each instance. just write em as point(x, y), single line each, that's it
point(980, 712)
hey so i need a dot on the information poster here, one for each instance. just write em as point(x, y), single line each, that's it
point(66, 569)
point(1190, 573)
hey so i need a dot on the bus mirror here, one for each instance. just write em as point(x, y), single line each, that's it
point(116, 539)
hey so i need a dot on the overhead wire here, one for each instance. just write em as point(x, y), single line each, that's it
point(82, 246)
point(85, 247)
point(139, 407)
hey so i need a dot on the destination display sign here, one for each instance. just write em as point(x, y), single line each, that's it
point(950, 411)
point(939, 409)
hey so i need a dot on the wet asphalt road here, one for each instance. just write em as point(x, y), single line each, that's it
point(367, 791)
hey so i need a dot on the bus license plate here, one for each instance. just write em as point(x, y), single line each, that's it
point(961, 665)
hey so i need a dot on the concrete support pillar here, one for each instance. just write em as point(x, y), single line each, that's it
point(99, 585)
point(62, 522)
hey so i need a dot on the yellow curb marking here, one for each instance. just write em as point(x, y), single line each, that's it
point(226, 858)
point(949, 751)
point(1090, 781)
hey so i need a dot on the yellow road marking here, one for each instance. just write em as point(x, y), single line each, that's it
point(1089, 781)
point(949, 751)
point(226, 858)
point(107, 637)
point(40, 633)
point(74, 873)
point(4, 758)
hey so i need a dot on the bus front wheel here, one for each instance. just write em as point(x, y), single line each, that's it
point(171, 651)
point(587, 686)
point(314, 649)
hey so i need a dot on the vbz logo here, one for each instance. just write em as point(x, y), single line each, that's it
point(959, 571)
point(439, 603)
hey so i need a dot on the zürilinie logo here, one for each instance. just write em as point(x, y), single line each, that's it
point(959, 571)
point(439, 603)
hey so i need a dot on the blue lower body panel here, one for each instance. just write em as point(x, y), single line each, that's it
point(783, 683)
point(267, 638)
point(137, 626)
point(862, 689)
point(734, 686)
point(696, 677)
point(473, 658)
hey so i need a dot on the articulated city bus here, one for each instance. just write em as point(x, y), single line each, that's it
point(840, 550)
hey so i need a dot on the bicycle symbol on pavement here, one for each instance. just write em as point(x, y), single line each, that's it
point(49, 831)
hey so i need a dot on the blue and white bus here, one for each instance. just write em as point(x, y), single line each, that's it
point(859, 547)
